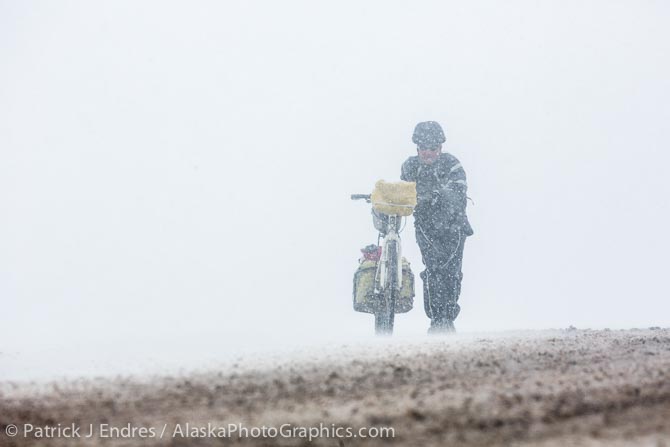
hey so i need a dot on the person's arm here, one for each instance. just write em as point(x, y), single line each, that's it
point(454, 194)
point(405, 172)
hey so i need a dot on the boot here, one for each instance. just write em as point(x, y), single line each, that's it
point(441, 327)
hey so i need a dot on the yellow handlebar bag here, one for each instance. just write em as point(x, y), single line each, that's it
point(394, 198)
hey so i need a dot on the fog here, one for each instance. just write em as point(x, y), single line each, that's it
point(180, 172)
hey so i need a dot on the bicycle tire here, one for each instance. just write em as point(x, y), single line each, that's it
point(385, 314)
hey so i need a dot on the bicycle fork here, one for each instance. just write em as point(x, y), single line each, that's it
point(382, 269)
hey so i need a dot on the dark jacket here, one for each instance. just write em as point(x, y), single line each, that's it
point(441, 189)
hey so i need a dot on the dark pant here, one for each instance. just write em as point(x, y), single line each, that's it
point(442, 255)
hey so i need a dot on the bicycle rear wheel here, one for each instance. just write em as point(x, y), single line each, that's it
point(385, 314)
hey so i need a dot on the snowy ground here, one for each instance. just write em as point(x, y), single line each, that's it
point(547, 388)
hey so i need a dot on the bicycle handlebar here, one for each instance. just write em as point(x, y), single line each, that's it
point(360, 197)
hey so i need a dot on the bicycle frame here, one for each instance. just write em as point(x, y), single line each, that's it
point(387, 283)
point(389, 230)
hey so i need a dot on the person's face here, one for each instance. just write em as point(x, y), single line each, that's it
point(429, 155)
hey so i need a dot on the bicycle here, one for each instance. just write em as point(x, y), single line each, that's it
point(388, 280)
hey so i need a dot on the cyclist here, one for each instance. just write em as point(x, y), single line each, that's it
point(440, 222)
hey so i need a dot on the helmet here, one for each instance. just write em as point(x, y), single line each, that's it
point(428, 134)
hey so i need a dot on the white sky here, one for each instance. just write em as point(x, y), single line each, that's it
point(183, 169)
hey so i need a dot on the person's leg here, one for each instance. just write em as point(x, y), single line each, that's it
point(430, 259)
point(441, 279)
point(452, 281)
point(437, 298)
point(433, 295)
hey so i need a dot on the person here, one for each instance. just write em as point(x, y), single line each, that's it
point(440, 222)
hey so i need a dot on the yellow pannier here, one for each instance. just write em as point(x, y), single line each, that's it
point(394, 198)
point(364, 288)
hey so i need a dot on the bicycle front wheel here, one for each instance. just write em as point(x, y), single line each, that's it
point(385, 314)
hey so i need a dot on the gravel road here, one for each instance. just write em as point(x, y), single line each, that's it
point(546, 388)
